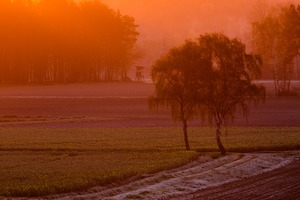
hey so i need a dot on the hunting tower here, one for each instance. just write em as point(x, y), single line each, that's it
point(139, 77)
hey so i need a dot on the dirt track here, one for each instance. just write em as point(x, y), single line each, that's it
point(282, 183)
point(248, 176)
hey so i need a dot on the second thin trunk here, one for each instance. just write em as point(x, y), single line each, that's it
point(219, 143)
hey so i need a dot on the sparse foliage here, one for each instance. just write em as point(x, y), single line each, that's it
point(276, 37)
point(174, 78)
point(230, 86)
point(211, 76)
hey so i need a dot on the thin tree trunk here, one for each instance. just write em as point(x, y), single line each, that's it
point(290, 77)
point(275, 84)
point(297, 68)
point(220, 145)
point(186, 139)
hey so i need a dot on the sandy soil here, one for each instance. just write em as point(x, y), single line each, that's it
point(222, 178)
point(282, 183)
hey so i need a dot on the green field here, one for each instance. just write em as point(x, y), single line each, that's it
point(36, 162)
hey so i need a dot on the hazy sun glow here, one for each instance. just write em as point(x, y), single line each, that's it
point(164, 24)
point(86, 27)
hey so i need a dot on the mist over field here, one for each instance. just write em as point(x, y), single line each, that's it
point(53, 40)
point(164, 24)
point(81, 119)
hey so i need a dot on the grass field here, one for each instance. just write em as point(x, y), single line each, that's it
point(36, 161)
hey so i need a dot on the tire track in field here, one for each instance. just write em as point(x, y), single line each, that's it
point(198, 175)
point(282, 183)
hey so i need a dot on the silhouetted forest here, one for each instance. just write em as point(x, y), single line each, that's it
point(64, 41)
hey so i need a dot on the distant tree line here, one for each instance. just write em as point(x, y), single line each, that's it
point(276, 38)
point(64, 41)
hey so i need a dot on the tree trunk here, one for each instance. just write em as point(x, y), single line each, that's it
point(186, 139)
point(220, 145)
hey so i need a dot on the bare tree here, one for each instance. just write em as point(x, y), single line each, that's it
point(230, 85)
point(212, 76)
point(174, 75)
point(276, 37)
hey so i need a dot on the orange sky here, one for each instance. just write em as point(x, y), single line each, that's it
point(188, 18)
point(165, 23)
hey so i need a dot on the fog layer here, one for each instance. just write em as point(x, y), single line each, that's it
point(164, 24)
